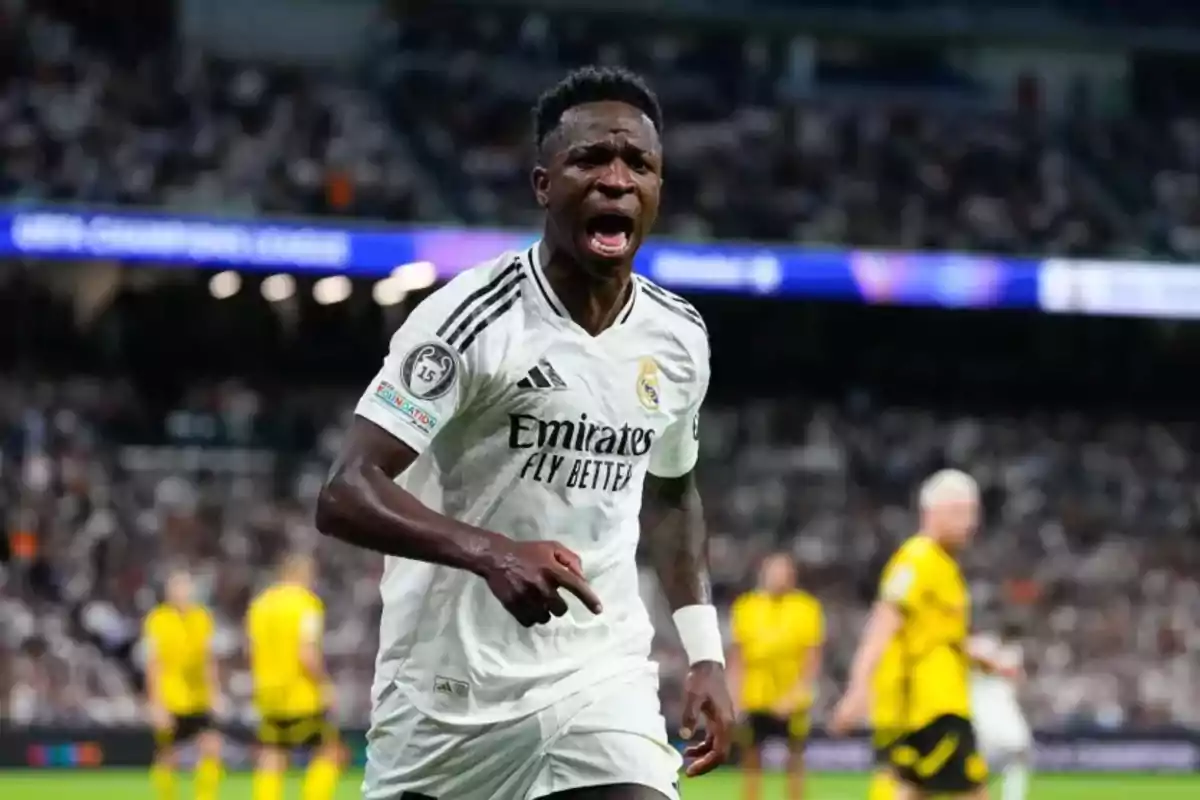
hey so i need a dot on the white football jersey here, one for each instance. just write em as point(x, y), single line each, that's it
point(1005, 654)
point(528, 426)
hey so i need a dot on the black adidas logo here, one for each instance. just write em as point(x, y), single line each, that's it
point(542, 376)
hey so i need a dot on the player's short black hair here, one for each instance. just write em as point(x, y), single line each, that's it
point(593, 85)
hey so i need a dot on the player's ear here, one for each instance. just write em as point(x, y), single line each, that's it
point(540, 178)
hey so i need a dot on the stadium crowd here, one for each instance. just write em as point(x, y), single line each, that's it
point(874, 155)
point(1085, 547)
point(86, 120)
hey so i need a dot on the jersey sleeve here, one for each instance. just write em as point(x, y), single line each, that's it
point(676, 451)
point(818, 625)
point(902, 578)
point(424, 378)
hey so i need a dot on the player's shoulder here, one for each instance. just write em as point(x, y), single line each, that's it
point(902, 569)
point(805, 601)
point(261, 598)
point(154, 616)
point(311, 600)
point(746, 602)
point(501, 274)
point(916, 548)
point(473, 303)
point(669, 311)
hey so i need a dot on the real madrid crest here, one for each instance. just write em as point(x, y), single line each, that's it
point(648, 392)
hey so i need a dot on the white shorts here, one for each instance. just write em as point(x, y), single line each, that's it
point(1000, 727)
point(610, 733)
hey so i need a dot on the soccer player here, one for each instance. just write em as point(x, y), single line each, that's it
point(779, 631)
point(887, 690)
point(181, 687)
point(533, 420)
point(292, 694)
point(924, 605)
point(1004, 734)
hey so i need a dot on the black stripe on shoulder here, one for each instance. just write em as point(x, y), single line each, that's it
point(491, 286)
point(497, 312)
point(495, 296)
point(679, 312)
point(674, 303)
point(654, 288)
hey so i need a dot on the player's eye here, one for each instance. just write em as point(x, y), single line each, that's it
point(637, 162)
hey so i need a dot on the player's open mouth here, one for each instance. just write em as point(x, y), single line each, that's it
point(609, 235)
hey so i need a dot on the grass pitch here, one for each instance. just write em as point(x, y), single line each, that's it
point(115, 784)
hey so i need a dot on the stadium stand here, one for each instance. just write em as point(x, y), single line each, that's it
point(89, 122)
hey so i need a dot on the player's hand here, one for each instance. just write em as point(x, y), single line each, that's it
point(1010, 672)
point(848, 712)
point(706, 698)
point(785, 708)
point(526, 578)
point(160, 720)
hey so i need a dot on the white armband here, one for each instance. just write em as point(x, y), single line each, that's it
point(700, 634)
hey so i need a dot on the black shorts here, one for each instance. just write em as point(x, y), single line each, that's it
point(183, 728)
point(307, 731)
point(941, 757)
point(881, 746)
point(760, 726)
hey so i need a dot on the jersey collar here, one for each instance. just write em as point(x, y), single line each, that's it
point(549, 300)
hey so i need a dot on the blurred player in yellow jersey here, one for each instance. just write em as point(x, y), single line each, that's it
point(778, 631)
point(887, 687)
point(292, 694)
point(924, 610)
point(181, 687)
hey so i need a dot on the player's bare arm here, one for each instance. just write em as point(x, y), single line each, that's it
point(673, 528)
point(882, 626)
point(155, 707)
point(986, 662)
point(361, 504)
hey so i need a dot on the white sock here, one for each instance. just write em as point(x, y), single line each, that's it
point(1015, 780)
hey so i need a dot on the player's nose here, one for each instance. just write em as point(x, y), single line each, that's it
point(616, 179)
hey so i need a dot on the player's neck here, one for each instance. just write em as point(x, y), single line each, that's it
point(943, 544)
point(592, 301)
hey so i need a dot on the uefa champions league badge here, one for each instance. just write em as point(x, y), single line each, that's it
point(429, 371)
